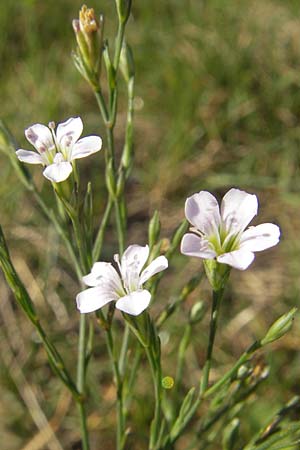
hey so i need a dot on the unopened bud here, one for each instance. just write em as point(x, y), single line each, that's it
point(88, 31)
point(177, 236)
point(243, 372)
point(123, 9)
point(154, 229)
point(197, 313)
point(111, 74)
point(191, 285)
point(230, 434)
point(280, 327)
point(127, 62)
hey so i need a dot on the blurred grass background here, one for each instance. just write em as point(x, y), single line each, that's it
point(217, 105)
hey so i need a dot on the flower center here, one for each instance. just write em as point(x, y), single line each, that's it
point(224, 241)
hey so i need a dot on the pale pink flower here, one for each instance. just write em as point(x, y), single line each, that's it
point(221, 234)
point(56, 151)
point(124, 287)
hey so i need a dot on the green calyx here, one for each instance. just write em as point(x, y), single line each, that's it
point(216, 273)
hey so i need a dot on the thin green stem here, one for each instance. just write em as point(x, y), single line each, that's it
point(81, 368)
point(81, 244)
point(119, 385)
point(217, 297)
point(25, 302)
point(242, 360)
point(100, 235)
point(156, 376)
point(134, 368)
point(120, 222)
point(119, 43)
point(81, 360)
point(184, 343)
point(102, 105)
point(120, 227)
point(123, 352)
point(212, 390)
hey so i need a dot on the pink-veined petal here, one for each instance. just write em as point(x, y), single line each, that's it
point(202, 211)
point(239, 259)
point(104, 274)
point(238, 209)
point(94, 298)
point(135, 302)
point(68, 132)
point(58, 172)
point(192, 245)
point(134, 257)
point(157, 265)
point(86, 146)
point(40, 137)
point(29, 157)
point(261, 237)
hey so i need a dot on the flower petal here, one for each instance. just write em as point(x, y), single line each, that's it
point(134, 257)
point(94, 298)
point(193, 245)
point(261, 237)
point(40, 137)
point(238, 209)
point(239, 259)
point(135, 302)
point(58, 158)
point(29, 157)
point(68, 132)
point(157, 265)
point(202, 211)
point(86, 146)
point(104, 274)
point(58, 172)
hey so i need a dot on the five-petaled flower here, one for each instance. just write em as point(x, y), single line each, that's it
point(220, 233)
point(126, 288)
point(57, 150)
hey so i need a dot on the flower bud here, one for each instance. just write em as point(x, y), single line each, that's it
point(191, 285)
point(127, 62)
point(154, 229)
point(123, 9)
point(179, 232)
point(230, 434)
point(280, 327)
point(88, 31)
point(197, 313)
point(111, 73)
point(243, 372)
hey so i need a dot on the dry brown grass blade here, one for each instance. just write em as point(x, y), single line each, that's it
point(41, 439)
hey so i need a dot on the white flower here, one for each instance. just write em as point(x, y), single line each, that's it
point(220, 233)
point(126, 288)
point(57, 150)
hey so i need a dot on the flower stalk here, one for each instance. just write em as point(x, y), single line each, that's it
point(217, 297)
